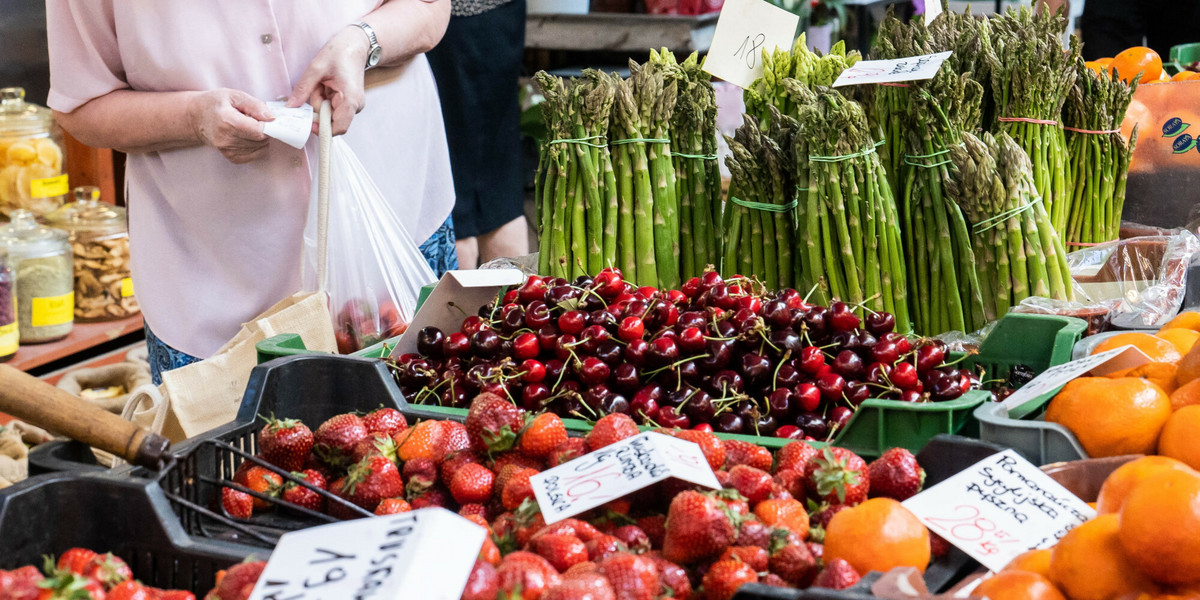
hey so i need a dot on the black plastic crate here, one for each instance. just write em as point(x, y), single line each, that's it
point(131, 518)
point(311, 388)
point(57, 456)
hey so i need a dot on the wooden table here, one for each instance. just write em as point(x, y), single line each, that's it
point(620, 32)
point(84, 337)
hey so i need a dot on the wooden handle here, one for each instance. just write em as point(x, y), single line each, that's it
point(31, 399)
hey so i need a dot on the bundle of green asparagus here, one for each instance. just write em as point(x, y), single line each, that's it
point(1018, 251)
point(697, 173)
point(759, 213)
point(1099, 155)
point(852, 247)
point(1031, 76)
point(801, 64)
point(575, 185)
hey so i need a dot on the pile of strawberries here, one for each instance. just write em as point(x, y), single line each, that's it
point(672, 539)
point(81, 574)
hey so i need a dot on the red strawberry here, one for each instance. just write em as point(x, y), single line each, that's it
point(611, 429)
point(795, 456)
point(633, 537)
point(794, 564)
point(793, 482)
point(107, 569)
point(542, 435)
point(515, 458)
point(773, 580)
point(738, 452)
point(698, 527)
point(752, 555)
point(20, 584)
point(753, 533)
point(482, 584)
point(372, 445)
point(237, 504)
point(824, 514)
point(419, 475)
point(581, 529)
point(435, 496)
point(724, 578)
point(129, 590)
point(474, 510)
point(838, 476)
point(672, 578)
point(237, 582)
point(938, 546)
point(386, 421)
point(710, 445)
point(472, 483)
point(372, 480)
point(567, 451)
point(157, 594)
point(454, 461)
point(75, 559)
point(517, 489)
point(525, 576)
point(454, 437)
point(603, 546)
point(60, 584)
point(582, 586)
point(632, 577)
point(335, 439)
point(896, 475)
point(285, 443)
point(392, 506)
point(837, 575)
point(753, 484)
point(655, 527)
point(493, 423)
point(817, 550)
point(259, 479)
point(562, 550)
point(302, 496)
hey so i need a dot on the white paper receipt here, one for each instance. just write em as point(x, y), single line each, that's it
point(910, 68)
point(425, 553)
point(744, 29)
point(291, 126)
point(998, 508)
point(616, 470)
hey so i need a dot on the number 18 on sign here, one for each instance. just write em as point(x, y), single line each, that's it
point(999, 508)
point(744, 30)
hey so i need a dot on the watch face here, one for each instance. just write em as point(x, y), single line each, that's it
point(373, 57)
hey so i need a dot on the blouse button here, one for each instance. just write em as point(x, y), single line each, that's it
point(267, 38)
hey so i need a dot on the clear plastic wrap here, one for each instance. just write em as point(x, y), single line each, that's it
point(375, 269)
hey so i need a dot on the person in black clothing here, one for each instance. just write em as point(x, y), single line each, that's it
point(1110, 26)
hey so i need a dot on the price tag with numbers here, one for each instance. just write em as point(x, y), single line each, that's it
point(1117, 359)
point(616, 470)
point(909, 68)
point(744, 30)
point(998, 508)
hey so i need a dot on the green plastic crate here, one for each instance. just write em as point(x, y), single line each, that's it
point(1183, 54)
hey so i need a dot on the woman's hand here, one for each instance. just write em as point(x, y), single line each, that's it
point(230, 121)
point(336, 74)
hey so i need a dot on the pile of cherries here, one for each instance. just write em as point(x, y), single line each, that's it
point(725, 354)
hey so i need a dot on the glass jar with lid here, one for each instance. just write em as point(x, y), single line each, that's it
point(41, 259)
point(32, 175)
point(99, 238)
point(9, 334)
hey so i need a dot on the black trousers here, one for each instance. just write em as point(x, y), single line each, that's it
point(1110, 26)
point(477, 65)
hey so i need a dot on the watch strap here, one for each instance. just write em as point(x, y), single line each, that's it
point(375, 49)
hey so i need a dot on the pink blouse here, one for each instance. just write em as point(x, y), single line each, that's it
point(214, 243)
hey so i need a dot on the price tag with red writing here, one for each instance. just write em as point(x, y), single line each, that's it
point(614, 471)
point(998, 508)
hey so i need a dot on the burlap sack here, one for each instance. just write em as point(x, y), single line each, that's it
point(127, 375)
point(14, 457)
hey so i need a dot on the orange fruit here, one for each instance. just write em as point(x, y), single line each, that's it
point(1189, 319)
point(1089, 564)
point(1186, 395)
point(1017, 585)
point(1139, 60)
point(1033, 561)
point(1182, 337)
point(1158, 349)
point(1180, 437)
point(788, 514)
point(1126, 477)
point(1185, 76)
point(1160, 374)
point(1111, 417)
point(1189, 366)
point(1099, 67)
point(877, 535)
point(1160, 527)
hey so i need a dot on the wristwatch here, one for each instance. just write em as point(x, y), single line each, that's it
point(376, 50)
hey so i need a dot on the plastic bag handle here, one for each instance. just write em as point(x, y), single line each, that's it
point(325, 139)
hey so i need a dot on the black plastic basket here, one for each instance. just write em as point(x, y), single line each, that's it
point(131, 518)
point(57, 456)
point(311, 388)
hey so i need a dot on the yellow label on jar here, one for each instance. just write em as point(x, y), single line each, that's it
point(53, 310)
point(49, 187)
point(10, 337)
point(127, 287)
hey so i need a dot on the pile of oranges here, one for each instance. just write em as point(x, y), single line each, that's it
point(1139, 63)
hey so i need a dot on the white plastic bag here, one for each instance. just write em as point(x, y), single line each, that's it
point(375, 271)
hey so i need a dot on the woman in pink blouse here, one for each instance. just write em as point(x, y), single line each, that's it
point(217, 209)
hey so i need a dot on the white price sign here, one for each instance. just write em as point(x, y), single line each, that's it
point(1117, 359)
point(744, 30)
point(911, 68)
point(616, 470)
point(933, 8)
point(425, 553)
point(999, 508)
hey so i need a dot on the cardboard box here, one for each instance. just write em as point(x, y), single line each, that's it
point(457, 296)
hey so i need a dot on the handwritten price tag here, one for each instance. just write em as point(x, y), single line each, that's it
point(999, 508)
point(933, 8)
point(912, 68)
point(617, 470)
point(1125, 357)
point(744, 30)
point(425, 553)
